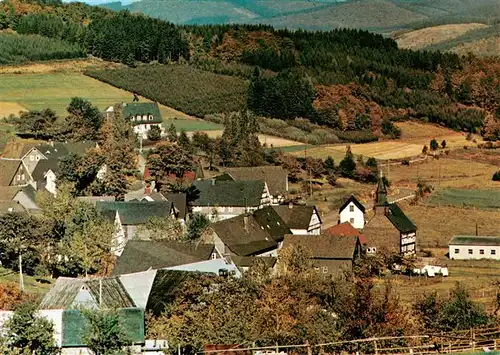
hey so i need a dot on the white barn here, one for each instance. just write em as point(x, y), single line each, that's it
point(352, 211)
point(466, 247)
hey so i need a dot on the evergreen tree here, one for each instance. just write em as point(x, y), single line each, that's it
point(434, 144)
point(154, 134)
point(347, 167)
point(172, 133)
point(329, 164)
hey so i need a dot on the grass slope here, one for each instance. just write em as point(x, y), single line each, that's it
point(192, 91)
point(17, 49)
point(31, 284)
point(483, 199)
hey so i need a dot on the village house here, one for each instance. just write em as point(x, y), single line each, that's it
point(328, 254)
point(275, 177)
point(390, 230)
point(142, 115)
point(24, 196)
point(127, 216)
point(300, 219)
point(31, 153)
point(248, 235)
point(220, 200)
point(45, 175)
point(13, 172)
point(467, 247)
point(142, 255)
point(353, 212)
point(346, 229)
point(179, 200)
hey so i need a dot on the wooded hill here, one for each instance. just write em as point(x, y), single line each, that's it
point(347, 80)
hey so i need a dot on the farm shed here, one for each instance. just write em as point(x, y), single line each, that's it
point(465, 247)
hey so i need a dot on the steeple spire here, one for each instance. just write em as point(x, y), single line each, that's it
point(381, 191)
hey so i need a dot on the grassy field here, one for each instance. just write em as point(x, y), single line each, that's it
point(192, 125)
point(482, 199)
point(31, 285)
point(55, 90)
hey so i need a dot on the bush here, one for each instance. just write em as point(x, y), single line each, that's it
point(154, 134)
point(496, 176)
point(405, 162)
point(389, 129)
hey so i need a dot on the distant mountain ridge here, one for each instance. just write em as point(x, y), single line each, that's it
point(381, 16)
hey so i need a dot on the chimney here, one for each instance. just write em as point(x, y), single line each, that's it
point(147, 190)
point(290, 205)
point(477, 233)
point(213, 182)
point(245, 222)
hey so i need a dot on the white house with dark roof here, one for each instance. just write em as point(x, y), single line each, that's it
point(300, 219)
point(353, 212)
point(467, 247)
point(142, 115)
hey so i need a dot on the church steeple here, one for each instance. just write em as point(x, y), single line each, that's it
point(381, 191)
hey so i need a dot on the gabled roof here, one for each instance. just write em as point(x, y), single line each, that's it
point(133, 213)
point(18, 149)
point(43, 166)
point(9, 192)
point(474, 240)
point(324, 246)
point(272, 222)
point(229, 193)
point(274, 176)
point(142, 108)
point(142, 255)
point(398, 218)
point(296, 217)
point(244, 236)
point(354, 200)
point(109, 290)
point(56, 150)
point(8, 169)
point(345, 230)
point(180, 203)
point(249, 261)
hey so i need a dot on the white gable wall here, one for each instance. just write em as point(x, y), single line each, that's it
point(352, 214)
point(138, 286)
point(468, 252)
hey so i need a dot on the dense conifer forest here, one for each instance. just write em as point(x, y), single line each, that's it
point(348, 80)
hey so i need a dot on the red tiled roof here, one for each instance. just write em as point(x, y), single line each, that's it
point(345, 230)
point(188, 175)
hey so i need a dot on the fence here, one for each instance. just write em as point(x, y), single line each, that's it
point(468, 341)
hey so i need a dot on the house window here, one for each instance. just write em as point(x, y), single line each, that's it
point(230, 209)
point(214, 256)
point(37, 157)
point(22, 176)
point(481, 251)
point(18, 177)
point(470, 251)
point(351, 220)
point(316, 269)
point(32, 157)
point(457, 251)
point(325, 269)
point(150, 117)
point(351, 208)
point(138, 118)
point(493, 252)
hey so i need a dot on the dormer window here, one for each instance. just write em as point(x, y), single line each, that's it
point(150, 117)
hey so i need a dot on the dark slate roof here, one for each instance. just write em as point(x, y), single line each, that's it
point(180, 203)
point(229, 193)
point(268, 218)
point(166, 285)
point(133, 213)
point(354, 200)
point(249, 261)
point(8, 169)
point(474, 240)
point(324, 246)
point(398, 218)
point(224, 177)
point(274, 176)
point(296, 217)
point(56, 150)
point(142, 255)
point(65, 290)
point(43, 166)
point(142, 108)
point(244, 236)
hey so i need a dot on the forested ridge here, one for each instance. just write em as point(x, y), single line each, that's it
point(345, 79)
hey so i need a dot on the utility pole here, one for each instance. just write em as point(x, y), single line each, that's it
point(308, 172)
point(21, 278)
point(100, 292)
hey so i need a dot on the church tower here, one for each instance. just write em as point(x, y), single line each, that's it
point(381, 195)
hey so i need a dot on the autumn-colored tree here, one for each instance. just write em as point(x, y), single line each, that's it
point(161, 228)
point(10, 295)
point(168, 158)
point(291, 165)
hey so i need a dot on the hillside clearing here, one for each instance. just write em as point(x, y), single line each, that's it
point(10, 108)
point(57, 66)
point(482, 47)
point(483, 199)
point(269, 141)
point(55, 90)
point(422, 38)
